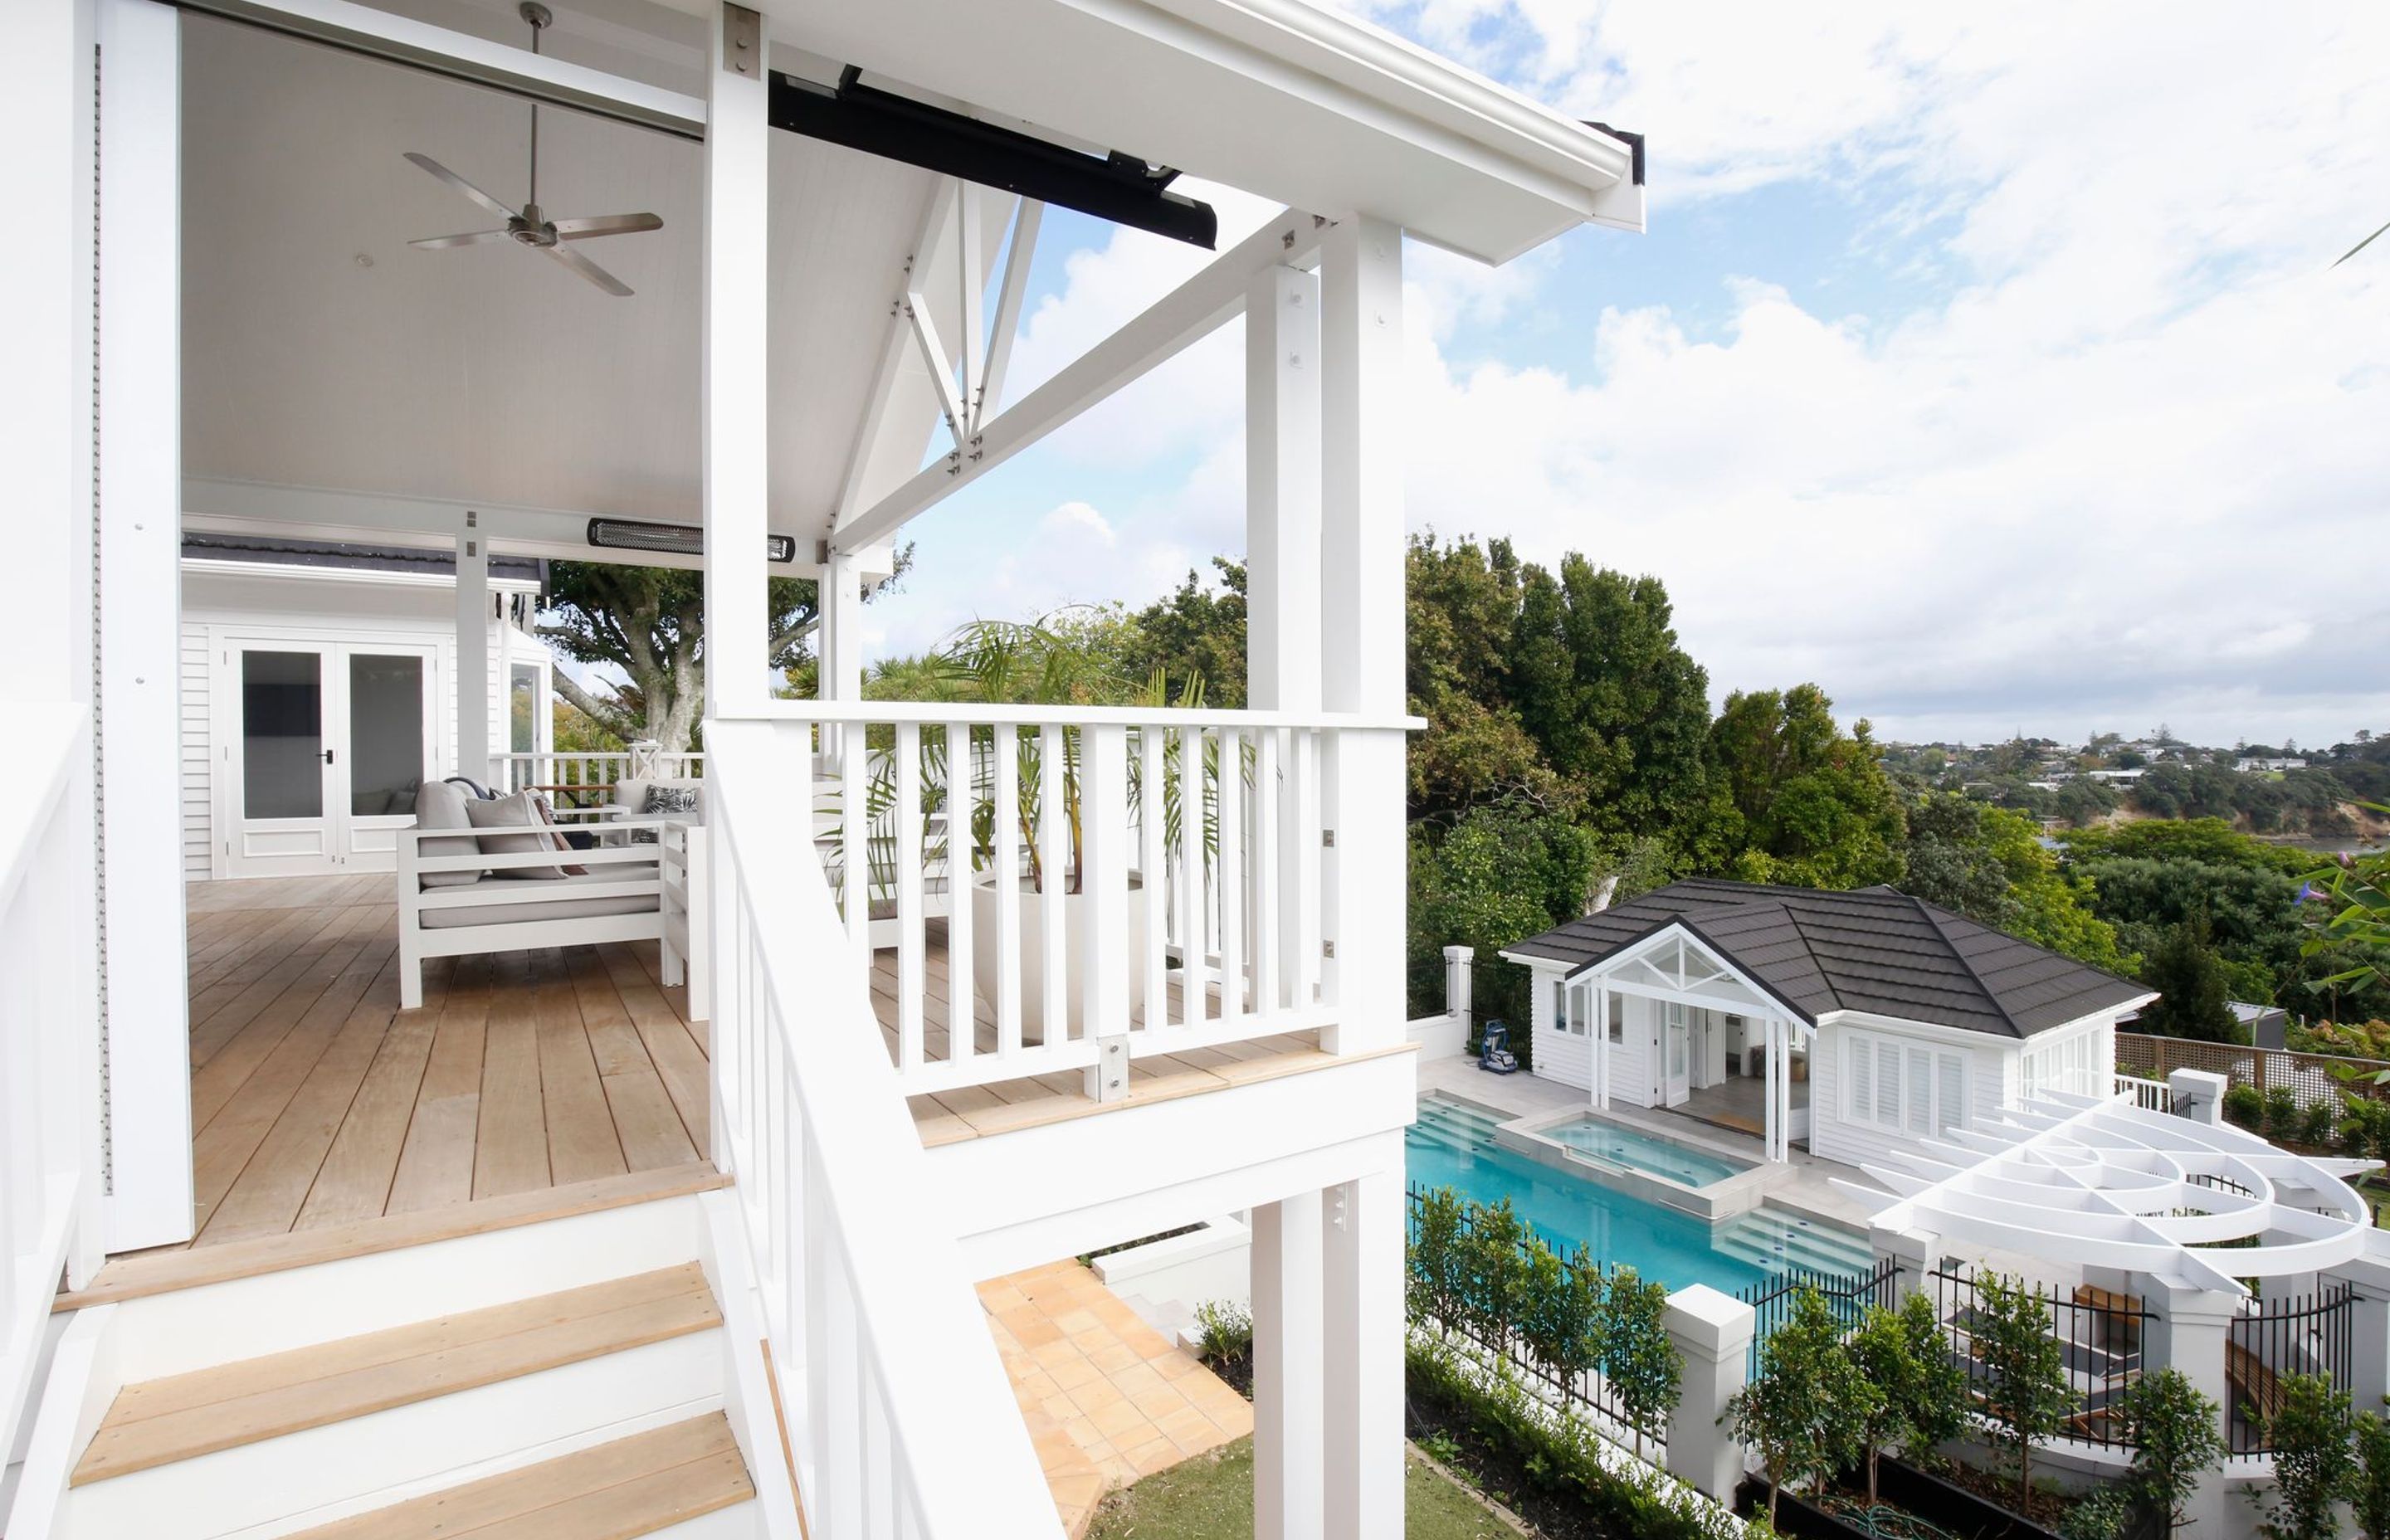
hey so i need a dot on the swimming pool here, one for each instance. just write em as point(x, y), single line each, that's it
point(1616, 1144)
point(1453, 1145)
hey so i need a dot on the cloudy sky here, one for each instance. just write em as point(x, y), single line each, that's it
point(1987, 367)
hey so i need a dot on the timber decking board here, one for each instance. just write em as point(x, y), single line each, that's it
point(318, 1103)
point(160, 1421)
point(615, 1491)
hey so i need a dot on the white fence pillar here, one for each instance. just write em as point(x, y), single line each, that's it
point(2197, 1095)
point(1460, 984)
point(472, 654)
point(1914, 1252)
point(1288, 1323)
point(2188, 1331)
point(1712, 1332)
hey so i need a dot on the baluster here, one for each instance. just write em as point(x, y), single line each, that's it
point(1303, 900)
point(1004, 754)
point(1053, 856)
point(1194, 904)
point(1232, 874)
point(911, 975)
point(1104, 884)
point(1267, 878)
point(962, 788)
point(1153, 868)
point(855, 835)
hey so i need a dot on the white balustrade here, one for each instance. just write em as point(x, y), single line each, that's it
point(2153, 1094)
point(901, 1419)
point(50, 1159)
point(1145, 876)
point(586, 779)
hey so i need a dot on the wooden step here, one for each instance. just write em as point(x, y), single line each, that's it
point(159, 1421)
point(632, 1486)
point(142, 1274)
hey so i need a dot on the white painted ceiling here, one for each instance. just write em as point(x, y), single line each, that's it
point(321, 350)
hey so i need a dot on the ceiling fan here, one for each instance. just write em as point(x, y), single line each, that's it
point(531, 227)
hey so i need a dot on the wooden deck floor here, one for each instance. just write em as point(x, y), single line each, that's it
point(1014, 1104)
point(317, 1102)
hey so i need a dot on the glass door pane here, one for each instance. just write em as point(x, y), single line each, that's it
point(385, 732)
point(523, 702)
point(282, 735)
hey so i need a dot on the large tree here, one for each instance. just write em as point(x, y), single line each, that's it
point(1801, 801)
point(1194, 633)
point(650, 623)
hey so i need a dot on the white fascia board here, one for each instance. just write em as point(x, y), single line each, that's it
point(1938, 1031)
point(462, 55)
point(1176, 322)
point(1676, 930)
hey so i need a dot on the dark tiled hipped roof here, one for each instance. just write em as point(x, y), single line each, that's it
point(1876, 950)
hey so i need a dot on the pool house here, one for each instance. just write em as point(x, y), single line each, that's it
point(1858, 1025)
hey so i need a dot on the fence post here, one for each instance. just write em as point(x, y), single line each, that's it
point(1912, 1252)
point(1459, 989)
point(2198, 1094)
point(2188, 1331)
point(2369, 1329)
point(1713, 1334)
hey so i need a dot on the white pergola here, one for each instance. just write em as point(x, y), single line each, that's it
point(2104, 1183)
point(1673, 967)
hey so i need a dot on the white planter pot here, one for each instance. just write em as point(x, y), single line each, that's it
point(1032, 953)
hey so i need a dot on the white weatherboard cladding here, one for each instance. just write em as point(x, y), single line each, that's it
point(1562, 1056)
point(1834, 1136)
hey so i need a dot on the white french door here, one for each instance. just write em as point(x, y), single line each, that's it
point(323, 746)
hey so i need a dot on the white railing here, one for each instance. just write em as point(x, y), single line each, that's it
point(1114, 883)
point(2153, 1094)
point(50, 1045)
point(585, 780)
point(900, 1417)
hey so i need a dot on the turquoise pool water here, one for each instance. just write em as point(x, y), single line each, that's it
point(1453, 1145)
point(1616, 1144)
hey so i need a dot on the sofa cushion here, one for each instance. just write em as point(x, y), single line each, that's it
point(554, 903)
point(515, 812)
point(441, 805)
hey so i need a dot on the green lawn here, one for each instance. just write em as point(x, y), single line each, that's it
point(1211, 1497)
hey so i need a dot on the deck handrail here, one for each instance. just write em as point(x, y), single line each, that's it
point(900, 1414)
point(49, 1047)
point(932, 713)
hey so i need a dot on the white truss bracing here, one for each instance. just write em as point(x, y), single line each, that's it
point(2104, 1183)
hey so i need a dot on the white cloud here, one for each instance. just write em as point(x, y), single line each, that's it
point(1078, 520)
point(2126, 463)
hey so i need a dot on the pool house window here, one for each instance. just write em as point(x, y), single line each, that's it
point(2070, 1064)
point(1565, 1018)
point(1903, 1087)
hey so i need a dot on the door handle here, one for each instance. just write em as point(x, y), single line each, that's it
point(328, 756)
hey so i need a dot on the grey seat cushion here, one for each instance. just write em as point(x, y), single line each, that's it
point(515, 812)
point(561, 906)
point(441, 805)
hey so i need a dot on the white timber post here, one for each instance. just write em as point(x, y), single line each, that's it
point(1774, 1065)
point(472, 651)
point(1288, 1300)
point(1361, 539)
point(1600, 1056)
point(737, 378)
point(1712, 1332)
point(140, 603)
point(1459, 989)
point(1103, 804)
point(1362, 1353)
point(2190, 1330)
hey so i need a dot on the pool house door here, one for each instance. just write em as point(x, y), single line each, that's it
point(1676, 1054)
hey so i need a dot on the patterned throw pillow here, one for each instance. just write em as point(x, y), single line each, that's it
point(664, 802)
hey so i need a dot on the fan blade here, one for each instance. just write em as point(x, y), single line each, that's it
point(587, 269)
point(476, 194)
point(435, 243)
point(605, 224)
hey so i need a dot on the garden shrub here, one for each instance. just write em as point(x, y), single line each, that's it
point(2103, 1513)
point(2245, 1107)
point(1225, 1332)
point(1809, 1408)
point(2027, 1395)
point(2282, 1120)
point(2175, 1441)
point(2315, 1462)
point(2369, 1489)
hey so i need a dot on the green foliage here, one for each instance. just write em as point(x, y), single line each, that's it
point(1809, 1410)
point(1436, 1278)
point(1501, 874)
point(2102, 1513)
point(1902, 1352)
point(2315, 1460)
point(1225, 1332)
point(1805, 804)
point(2176, 1440)
point(2349, 910)
point(1195, 633)
point(1563, 1453)
point(2368, 1488)
point(2189, 980)
point(1497, 1274)
point(2245, 1107)
point(1561, 1319)
point(1990, 863)
point(2027, 1395)
point(1637, 1358)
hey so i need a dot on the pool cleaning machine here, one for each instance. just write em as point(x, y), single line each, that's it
point(1494, 1055)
